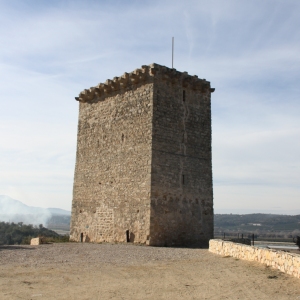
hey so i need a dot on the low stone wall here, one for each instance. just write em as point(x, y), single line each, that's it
point(283, 261)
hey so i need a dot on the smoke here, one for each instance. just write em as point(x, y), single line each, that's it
point(12, 210)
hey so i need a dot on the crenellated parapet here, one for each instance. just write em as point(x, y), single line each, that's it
point(146, 74)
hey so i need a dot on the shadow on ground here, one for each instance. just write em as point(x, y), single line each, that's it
point(14, 247)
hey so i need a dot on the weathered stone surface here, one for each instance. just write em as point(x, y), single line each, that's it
point(143, 169)
point(36, 241)
point(286, 262)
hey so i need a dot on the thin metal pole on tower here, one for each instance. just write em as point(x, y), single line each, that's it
point(172, 51)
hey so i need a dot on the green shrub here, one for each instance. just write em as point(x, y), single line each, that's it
point(11, 234)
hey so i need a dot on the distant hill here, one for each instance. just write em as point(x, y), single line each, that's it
point(59, 211)
point(267, 224)
point(12, 233)
point(12, 210)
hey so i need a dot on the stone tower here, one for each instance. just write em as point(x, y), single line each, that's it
point(143, 169)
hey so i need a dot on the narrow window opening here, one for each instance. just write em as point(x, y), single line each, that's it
point(183, 95)
point(122, 137)
point(81, 237)
point(127, 236)
point(182, 179)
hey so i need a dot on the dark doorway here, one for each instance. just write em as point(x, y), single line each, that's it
point(81, 237)
point(127, 236)
point(132, 236)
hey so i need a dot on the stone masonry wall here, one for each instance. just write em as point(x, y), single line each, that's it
point(113, 166)
point(143, 168)
point(286, 262)
point(181, 191)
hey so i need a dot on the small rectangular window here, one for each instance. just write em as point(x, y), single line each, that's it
point(182, 179)
point(183, 95)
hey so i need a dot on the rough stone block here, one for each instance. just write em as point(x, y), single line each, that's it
point(36, 241)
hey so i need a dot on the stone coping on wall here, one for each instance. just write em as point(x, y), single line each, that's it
point(284, 261)
point(143, 75)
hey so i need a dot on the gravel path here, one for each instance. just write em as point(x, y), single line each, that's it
point(96, 254)
point(125, 271)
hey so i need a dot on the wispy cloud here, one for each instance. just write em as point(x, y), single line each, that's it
point(248, 50)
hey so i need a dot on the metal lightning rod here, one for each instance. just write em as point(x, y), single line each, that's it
point(172, 51)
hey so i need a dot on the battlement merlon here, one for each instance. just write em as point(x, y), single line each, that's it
point(145, 74)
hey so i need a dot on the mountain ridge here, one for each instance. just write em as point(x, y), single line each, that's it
point(8, 206)
point(12, 210)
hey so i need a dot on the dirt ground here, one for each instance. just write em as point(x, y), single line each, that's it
point(107, 271)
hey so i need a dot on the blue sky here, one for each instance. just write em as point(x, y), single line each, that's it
point(248, 50)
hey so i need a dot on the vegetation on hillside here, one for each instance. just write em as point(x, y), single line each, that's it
point(59, 222)
point(12, 233)
point(261, 225)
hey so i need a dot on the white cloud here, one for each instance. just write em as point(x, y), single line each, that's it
point(248, 50)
